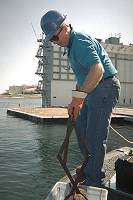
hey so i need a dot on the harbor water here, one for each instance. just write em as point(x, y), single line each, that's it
point(28, 164)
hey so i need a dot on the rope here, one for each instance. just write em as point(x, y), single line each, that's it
point(130, 142)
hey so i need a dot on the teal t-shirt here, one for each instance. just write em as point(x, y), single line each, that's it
point(84, 51)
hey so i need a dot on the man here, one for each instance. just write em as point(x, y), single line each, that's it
point(96, 94)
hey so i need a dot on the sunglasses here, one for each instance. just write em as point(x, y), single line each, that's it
point(56, 37)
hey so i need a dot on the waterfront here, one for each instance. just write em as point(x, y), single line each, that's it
point(28, 164)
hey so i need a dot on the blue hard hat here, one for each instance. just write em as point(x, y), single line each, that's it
point(50, 23)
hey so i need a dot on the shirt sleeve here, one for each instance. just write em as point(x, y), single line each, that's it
point(86, 53)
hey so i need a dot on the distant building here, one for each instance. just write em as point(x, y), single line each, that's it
point(23, 89)
point(15, 90)
point(57, 79)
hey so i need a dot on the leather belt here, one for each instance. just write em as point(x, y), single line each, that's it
point(109, 77)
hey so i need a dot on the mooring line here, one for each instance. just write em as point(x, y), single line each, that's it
point(130, 142)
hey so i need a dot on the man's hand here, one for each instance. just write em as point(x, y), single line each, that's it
point(75, 107)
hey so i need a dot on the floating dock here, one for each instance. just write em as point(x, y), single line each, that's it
point(41, 115)
point(60, 114)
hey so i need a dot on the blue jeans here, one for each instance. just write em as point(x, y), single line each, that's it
point(93, 124)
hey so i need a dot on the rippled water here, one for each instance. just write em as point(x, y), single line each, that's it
point(28, 164)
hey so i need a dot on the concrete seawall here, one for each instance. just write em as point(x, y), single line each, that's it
point(60, 115)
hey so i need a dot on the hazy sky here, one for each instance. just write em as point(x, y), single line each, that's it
point(18, 45)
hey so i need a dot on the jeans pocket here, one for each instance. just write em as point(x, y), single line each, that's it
point(115, 94)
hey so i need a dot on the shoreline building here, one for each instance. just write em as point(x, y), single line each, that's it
point(57, 79)
point(22, 90)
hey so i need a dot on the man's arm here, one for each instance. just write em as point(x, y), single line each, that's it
point(93, 78)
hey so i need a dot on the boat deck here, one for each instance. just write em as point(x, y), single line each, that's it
point(63, 187)
point(109, 163)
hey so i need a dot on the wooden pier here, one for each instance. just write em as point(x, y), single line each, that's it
point(59, 114)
